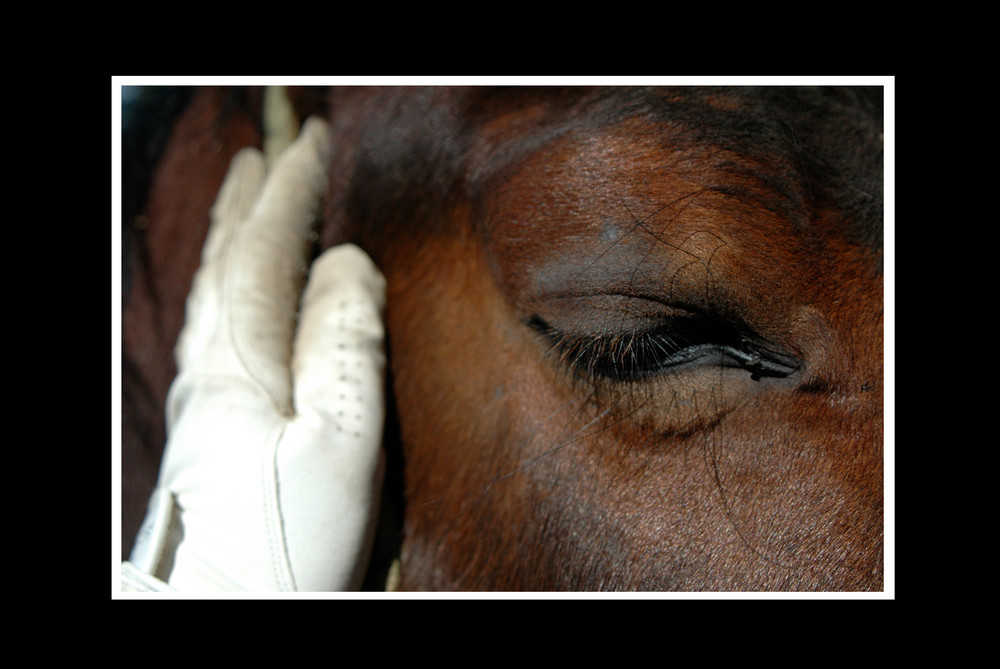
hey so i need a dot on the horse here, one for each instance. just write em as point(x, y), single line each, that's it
point(635, 334)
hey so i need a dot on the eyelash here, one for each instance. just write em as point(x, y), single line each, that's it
point(635, 356)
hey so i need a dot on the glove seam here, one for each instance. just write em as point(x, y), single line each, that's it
point(232, 274)
point(273, 525)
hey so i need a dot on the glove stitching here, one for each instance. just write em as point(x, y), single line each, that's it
point(273, 526)
point(232, 271)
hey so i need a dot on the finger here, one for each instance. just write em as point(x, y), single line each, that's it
point(268, 263)
point(205, 315)
point(296, 183)
point(339, 362)
point(330, 461)
point(236, 199)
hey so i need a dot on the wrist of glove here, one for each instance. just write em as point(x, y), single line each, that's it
point(272, 470)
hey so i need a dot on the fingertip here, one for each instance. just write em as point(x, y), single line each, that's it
point(236, 198)
point(348, 268)
point(316, 131)
point(243, 181)
point(339, 347)
point(310, 151)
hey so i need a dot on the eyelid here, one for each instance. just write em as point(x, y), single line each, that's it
point(676, 343)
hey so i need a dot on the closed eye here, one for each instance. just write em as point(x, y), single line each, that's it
point(676, 343)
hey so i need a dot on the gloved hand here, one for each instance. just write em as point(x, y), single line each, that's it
point(272, 471)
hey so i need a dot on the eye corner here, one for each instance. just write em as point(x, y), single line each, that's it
point(762, 359)
point(538, 324)
point(770, 366)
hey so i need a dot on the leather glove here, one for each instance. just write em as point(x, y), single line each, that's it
point(271, 475)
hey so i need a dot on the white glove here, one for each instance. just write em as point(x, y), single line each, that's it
point(273, 467)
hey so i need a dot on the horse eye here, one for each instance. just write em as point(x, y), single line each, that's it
point(674, 344)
